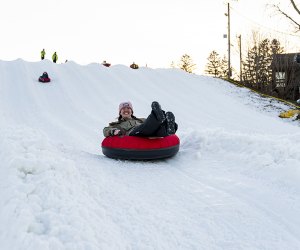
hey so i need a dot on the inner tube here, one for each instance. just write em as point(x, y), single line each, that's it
point(41, 79)
point(140, 148)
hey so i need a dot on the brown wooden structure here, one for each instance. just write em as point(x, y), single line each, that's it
point(286, 76)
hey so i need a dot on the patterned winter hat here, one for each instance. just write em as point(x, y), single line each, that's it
point(125, 105)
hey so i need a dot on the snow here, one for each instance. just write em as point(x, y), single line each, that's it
point(235, 183)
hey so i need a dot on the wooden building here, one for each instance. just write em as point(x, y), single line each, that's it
point(286, 76)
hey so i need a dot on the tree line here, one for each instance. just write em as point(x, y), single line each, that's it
point(256, 65)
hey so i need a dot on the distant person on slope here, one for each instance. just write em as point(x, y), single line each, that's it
point(54, 57)
point(43, 53)
point(158, 124)
point(44, 77)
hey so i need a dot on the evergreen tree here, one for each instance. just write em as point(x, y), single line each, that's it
point(216, 66)
point(248, 67)
point(224, 68)
point(257, 71)
point(276, 47)
point(213, 67)
point(186, 63)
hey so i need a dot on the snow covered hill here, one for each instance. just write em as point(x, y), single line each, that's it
point(235, 183)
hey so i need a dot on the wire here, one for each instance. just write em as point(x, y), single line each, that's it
point(259, 24)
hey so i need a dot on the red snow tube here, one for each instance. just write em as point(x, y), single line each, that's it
point(140, 148)
point(41, 79)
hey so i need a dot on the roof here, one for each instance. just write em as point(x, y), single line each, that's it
point(284, 60)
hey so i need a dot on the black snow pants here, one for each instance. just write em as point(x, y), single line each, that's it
point(150, 128)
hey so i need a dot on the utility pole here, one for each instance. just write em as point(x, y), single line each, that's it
point(241, 66)
point(228, 36)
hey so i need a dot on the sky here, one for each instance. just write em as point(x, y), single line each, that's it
point(234, 184)
point(153, 33)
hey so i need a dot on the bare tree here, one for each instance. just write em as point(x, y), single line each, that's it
point(289, 16)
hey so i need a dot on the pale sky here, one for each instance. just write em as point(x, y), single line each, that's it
point(153, 32)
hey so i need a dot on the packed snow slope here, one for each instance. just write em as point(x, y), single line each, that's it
point(235, 183)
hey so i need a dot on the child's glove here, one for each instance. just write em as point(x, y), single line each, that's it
point(115, 132)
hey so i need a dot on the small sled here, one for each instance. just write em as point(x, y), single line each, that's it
point(47, 79)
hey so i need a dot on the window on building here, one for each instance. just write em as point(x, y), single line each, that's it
point(280, 79)
point(297, 58)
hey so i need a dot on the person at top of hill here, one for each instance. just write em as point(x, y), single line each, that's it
point(54, 57)
point(158, 124)
point(43, 53)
